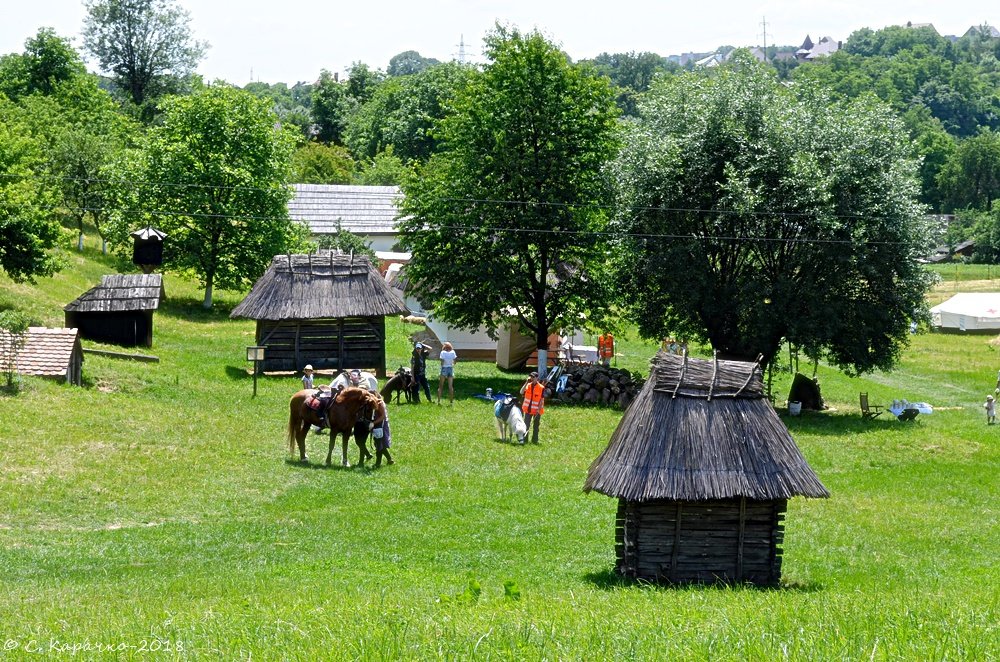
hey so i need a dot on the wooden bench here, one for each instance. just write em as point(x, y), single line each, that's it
point(868, 412)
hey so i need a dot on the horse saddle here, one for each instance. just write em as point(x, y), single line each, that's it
point(319, 401)
point(502, 408)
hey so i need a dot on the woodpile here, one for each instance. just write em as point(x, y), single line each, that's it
point(596, 385)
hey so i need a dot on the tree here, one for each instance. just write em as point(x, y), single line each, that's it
point(47, 61)
point(507, 215)
point(28, 229)
point(632, 73)
point(347, 242)
point(402, 113)
point(212, 177)
point(362, 81)
point(331, 108)
point(386, 169)
point(145, 45)
point(754, 213)
point(316, 163)
point(409, 62)
point(970, 177)
point(13, 328)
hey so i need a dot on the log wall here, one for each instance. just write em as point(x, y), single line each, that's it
point(341, 344)
point(728, 541)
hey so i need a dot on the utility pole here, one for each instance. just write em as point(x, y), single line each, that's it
point(461, 49)
point(763, 23)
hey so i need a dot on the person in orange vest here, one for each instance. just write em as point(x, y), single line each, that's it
point(534, 404)
point(606, 348)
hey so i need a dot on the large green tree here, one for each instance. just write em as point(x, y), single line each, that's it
point(402, 112)
point(970, 177)
point(48, 60)
point(28, 227)
point(213, 177)
point(507, 215)
point(755, 213)
point(145, 45)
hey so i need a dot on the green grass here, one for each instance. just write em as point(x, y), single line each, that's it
point(156, 506)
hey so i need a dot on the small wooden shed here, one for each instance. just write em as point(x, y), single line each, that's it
point(702, 468)
point(327, 309)
point(119, 310)
point(53, 353)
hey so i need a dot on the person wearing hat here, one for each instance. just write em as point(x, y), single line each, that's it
point(991, 410)
point(534, 404)
point(418, 368)
point(307, 376)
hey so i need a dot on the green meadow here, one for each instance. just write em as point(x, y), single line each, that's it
point(155, 514)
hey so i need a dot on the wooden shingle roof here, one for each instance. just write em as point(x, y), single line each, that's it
point(326, 208)
point(46, 352)
point(322, 285)
point(699, 430)
point(120, 292)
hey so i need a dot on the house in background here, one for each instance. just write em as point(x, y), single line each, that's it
point(371, 212)
point(53, 353)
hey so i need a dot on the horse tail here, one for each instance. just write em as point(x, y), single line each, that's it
point(294, 421)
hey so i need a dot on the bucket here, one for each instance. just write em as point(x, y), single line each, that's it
point(794, 408)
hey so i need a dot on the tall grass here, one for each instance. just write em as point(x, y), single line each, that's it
point(157, 507)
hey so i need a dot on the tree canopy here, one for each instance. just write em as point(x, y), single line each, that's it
point(755, 213)
point(28, 229)
point(145, 45)
point(213, 177)
point(507, 216)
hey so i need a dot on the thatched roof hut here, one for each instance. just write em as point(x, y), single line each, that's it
point(702, 467)
point(326, 308)
point(119, 310)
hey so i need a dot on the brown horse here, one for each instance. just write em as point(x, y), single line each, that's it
point(348, 405)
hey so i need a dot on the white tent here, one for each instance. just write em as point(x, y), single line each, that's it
point(969, 311)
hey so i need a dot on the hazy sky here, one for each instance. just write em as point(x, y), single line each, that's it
point(291, 40)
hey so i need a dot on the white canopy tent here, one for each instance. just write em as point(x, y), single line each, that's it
point(968, 311)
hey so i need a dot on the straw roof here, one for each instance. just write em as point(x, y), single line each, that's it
point(699, 430)
point(120, 292)
point(320, 285)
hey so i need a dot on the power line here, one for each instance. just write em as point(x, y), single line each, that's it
point(503, 230)
point(321, 194)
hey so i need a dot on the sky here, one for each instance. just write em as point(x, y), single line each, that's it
point(292, 40)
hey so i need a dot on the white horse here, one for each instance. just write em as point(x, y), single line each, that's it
point(509, 419)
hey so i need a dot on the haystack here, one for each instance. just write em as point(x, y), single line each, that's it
point(702, 468)
point(324, 308)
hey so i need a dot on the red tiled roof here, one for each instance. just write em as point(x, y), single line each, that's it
point(46, 352)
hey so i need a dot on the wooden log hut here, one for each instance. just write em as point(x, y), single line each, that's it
point(702, 468)
point(119, 310)
point(327, 309)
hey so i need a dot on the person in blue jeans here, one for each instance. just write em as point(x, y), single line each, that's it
point(448, 358)
point(418, 368)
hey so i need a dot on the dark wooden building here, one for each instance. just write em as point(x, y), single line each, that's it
point(327, 309)
point(702, 468)
point(119, 311)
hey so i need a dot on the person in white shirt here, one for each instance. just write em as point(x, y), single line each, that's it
point(448, 358)
point(307, 377)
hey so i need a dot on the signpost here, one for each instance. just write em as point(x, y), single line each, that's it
point(255, 353)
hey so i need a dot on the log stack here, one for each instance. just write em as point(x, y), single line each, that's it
point(596, 385)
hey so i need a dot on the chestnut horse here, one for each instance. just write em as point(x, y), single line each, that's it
point(344, 411)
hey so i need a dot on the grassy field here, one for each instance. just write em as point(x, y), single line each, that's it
point(154, 514)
